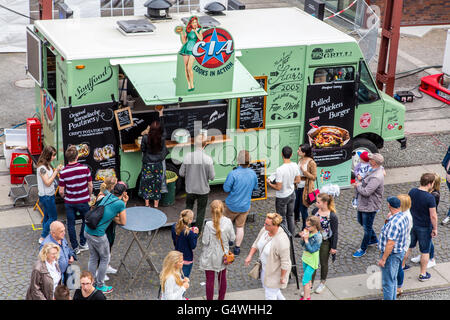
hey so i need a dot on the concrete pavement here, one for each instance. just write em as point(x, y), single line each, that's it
point(357, 287)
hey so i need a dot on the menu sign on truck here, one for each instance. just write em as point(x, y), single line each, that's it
point(91, 129)
point(329, 118)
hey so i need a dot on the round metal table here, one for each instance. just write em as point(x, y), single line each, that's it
point(142, 219)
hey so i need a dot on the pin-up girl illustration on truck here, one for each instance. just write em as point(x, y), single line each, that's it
point(189, 37)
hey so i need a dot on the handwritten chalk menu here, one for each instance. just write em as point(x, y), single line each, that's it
point(259, 166)
point(92, 130)
point(213, 118)
point(329, 119)
point(252, 110)
point(124, 118)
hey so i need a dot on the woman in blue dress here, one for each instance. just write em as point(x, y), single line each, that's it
point(189, 37)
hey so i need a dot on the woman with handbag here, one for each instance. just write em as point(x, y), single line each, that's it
point(308, 172)
point(274, 263)
point(216, 237)
point(185, 239)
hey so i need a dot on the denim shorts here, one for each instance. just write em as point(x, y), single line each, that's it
point(423, 235)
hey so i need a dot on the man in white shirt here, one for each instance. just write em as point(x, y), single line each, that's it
point(284, 179)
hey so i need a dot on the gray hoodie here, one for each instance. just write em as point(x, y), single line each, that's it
point(370, 191)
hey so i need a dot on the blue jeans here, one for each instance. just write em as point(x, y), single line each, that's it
point(299, 207)
point(448, 186)
point(365, 219)
point(49, 207)
point(187, 268)
point(389, 275)
point(71, 212)
point(400, 276)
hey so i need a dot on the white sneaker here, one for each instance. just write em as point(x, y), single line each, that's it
point(446, 220)
point(106, 277)
point(84, 248)
point(431, 263)
point(416, 259)
point(320, 288)
point(111, 270)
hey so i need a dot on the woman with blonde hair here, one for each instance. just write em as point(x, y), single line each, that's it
point(405, 205)
point(216, 237)
point(273, 246)
point(185, 239)
point(46, 274)
point(173, 285)
point(326, 212)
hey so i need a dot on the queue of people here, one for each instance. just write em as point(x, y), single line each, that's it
point(412, 218)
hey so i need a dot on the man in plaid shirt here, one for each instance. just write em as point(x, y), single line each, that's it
point(392, 244)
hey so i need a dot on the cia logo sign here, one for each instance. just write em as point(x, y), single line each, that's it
point(215, 49)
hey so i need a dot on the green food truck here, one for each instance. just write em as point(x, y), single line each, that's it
point(249, 79)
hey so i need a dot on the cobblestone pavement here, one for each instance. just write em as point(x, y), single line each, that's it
point(19, 248)
point(421, 150)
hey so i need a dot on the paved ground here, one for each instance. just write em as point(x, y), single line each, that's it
point(18, 251)
point(18, 245)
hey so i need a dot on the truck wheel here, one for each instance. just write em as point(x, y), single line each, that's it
point(361, 145)
point(180, 181)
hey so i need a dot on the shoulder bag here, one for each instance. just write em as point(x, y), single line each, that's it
point(255, 273)
point(228, 258)
point(95, 214)
point(312, 196)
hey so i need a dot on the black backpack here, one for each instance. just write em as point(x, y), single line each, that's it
point(95, 214)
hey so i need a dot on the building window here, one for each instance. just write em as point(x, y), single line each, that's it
point(115, 8)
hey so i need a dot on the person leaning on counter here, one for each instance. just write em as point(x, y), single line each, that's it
point(154, 151)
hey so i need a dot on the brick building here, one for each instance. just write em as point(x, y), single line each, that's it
point(420, 12)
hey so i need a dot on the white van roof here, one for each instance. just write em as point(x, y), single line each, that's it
point(92, 38)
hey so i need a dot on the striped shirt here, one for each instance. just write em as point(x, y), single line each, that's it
point(396, 229)
point(74, 178)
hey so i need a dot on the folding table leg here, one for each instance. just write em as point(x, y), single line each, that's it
point(122, 261)
point(145, 255)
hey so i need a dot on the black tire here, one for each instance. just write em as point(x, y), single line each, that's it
point(365, 144)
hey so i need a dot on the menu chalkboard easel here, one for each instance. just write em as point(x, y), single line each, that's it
point(251, 111)
point(124, 118)
point(259, 166)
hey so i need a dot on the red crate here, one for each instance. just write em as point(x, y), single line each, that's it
point(17, 178)
point(20, 169)
point(34, 136)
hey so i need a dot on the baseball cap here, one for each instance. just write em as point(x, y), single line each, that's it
point(394, 202)
point(364, 156)
point(378, 158)
point(120, 188)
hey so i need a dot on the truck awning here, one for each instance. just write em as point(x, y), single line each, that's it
point(154, 81)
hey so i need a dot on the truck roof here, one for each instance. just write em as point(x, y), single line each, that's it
point(92, 38)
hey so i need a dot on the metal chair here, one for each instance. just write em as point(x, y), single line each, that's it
point(23, 191)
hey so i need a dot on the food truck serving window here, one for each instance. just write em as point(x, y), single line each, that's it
point(331, 74)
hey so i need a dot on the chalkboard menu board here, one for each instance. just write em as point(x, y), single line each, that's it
point(252, 110)
point(91, 129)
point(211, 117)
point(124, 118)
point(259, 166)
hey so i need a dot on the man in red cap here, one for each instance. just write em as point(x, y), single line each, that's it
point(361, 170)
